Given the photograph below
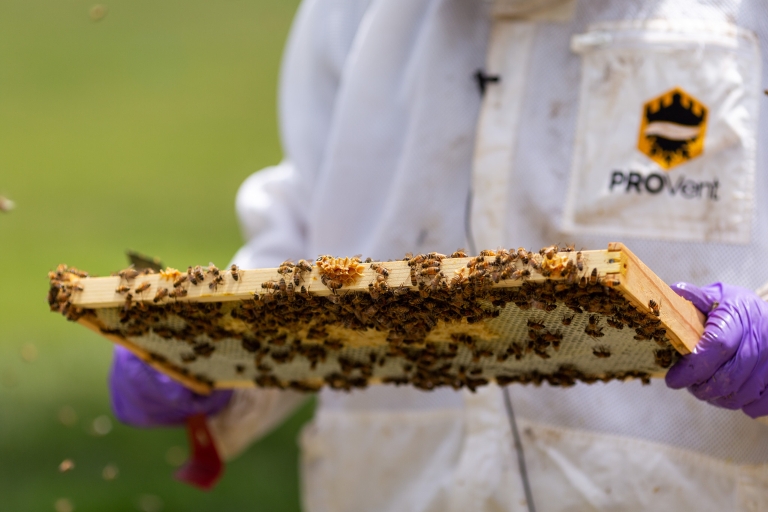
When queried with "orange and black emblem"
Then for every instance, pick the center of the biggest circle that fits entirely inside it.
(672, 129)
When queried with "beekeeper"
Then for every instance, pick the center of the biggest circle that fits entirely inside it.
(428, 125)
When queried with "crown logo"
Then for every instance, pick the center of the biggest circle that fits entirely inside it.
(672, 129)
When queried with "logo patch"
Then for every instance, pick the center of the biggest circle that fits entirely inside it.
(672, 129)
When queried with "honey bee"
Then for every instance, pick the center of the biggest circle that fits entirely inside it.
(128, 302)
(235, 271)
(286, 267)
(601, 351)
(304, 266)
(123, 289)
(549, 252)
(160, 295)
(579, 262)
(178, 293)
(142, 287)
(615, 323)
(568, 319)
(380, 269)
(570, 248)
(431, 271)
(552, 337)
(593, 277)
(373, 291)
(332, 284)
(663, 358)
(198, 272)
(128, 274)
(180, 280)
(535, 325)
(522, 273)
(191, 275)
(593, 329)
(212, 269)
(654, 307)
(215, 282)
(459, 253)
(270, 285)
(290, 291)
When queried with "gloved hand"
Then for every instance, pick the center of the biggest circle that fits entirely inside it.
(729, 367)
(143, 397)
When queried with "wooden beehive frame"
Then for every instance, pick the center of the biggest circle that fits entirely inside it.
(617, 267)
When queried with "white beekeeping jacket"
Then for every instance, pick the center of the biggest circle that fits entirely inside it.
(626, 120)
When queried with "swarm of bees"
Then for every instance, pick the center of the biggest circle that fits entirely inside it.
(457, 327)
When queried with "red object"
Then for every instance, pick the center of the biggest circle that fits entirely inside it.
(204, 467)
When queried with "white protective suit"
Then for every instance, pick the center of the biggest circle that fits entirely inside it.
(385, 134)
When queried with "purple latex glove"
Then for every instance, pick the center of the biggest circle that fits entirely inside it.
(729, 367)
(143, 397)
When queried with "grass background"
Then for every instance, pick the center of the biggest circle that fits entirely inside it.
(131, 132)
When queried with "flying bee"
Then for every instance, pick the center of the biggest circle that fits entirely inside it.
(235, 271)
(380, 269)
(123, 289)
(142, 287)
(161, 294)
(568, 319)
(601, 351)
(654, 307)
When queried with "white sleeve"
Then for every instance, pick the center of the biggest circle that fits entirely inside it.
(250, 414)
(272, 204)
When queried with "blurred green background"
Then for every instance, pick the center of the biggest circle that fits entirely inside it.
(133, 131)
